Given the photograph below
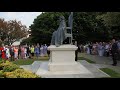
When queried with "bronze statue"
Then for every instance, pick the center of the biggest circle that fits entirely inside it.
(61, 33)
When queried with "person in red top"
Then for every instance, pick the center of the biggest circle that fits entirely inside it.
(3, 52)
(15, 52)
(0, 52)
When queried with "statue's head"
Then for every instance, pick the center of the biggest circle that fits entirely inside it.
(61, 18)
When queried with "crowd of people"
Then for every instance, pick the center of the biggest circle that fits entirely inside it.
(22, 51)
(107, 49)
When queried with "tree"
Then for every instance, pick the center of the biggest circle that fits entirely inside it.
(86, 27)
(11, 31)
(3, 27)
(43, 27)
(112, 22)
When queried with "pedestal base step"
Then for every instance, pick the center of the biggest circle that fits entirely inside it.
(74, 70)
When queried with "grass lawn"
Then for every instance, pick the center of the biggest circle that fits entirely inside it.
(88, 60)
(30, 61)
(110, 72)
(23, 62)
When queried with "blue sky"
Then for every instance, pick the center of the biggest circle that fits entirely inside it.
(26, 18)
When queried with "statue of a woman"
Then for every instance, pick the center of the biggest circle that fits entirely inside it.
(59, 36)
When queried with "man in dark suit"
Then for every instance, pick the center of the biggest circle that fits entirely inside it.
(76, 51)
(114, 52)
(11, 53)
(119, 50)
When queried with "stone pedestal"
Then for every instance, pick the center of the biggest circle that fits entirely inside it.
(62, 64)
(62, 58)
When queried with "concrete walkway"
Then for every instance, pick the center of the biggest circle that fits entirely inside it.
(101, 62)
(88, 71)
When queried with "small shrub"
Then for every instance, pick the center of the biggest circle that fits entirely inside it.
(8, 66)
(1, 73)
(10, 70)
(20, 73)
(1, 66)
(1, 61)
(9, 75)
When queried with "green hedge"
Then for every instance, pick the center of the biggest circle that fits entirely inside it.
(11, 70)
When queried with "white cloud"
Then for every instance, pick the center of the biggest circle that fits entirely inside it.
(26, 18)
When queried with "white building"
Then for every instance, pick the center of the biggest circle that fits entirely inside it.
(16, 43)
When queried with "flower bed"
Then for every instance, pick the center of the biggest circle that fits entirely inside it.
(10, 70)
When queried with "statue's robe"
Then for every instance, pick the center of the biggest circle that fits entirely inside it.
(59, 36)
(53, 38)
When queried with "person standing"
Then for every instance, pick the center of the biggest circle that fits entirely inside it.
(100, 49)
(37, 51)
(94, 49)
(7, 52)
(19, 52)
(3, 52)
(48, 51)
(76, 52)
(16, 52)
(0, 53)
(32, 51)
(103, 49)
(119, 49)
(41, 51)
(45, 50)
(28, 51)
(88, 49)
(22, 52)
(90, 46)
(107, 47)
(25, 52)
(11, 53)
(114, 52)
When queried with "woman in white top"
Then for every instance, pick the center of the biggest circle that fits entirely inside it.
(88, 49)
(107, 47)
(41, 51)
(25, 52)
(100, 51)
(45, 50)
(7, 52)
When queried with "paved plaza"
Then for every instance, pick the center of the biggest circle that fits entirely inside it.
(101, 61)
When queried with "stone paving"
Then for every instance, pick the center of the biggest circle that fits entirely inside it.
(101, 61)
(33, 67)
(95, 70)
(43, 67)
